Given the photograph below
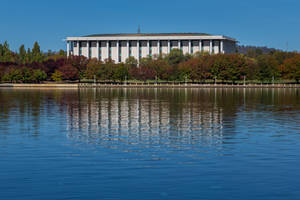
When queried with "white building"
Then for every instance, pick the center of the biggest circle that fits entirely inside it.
(119, 47)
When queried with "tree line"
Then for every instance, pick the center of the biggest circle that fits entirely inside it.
(34, 66)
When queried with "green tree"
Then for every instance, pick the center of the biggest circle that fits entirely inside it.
(22, 55)
(29, 56)
(268, 67)
(57, 76)
(62, 53)
(175, 57)
(39, 75)
(120, 72)
(27, 75)
(13, 75)
(37, 55)
(106, 71)
(7, 55)
(1, 52)
(131, 62)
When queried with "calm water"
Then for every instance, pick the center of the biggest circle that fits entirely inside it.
(150, 144)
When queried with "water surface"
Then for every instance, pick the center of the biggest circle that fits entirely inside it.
(150, 144)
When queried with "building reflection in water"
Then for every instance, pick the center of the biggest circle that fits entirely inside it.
(146, 116)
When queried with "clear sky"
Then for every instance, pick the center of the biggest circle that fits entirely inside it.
(272, 23)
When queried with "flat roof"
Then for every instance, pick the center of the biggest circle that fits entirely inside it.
(151, 36)
(147, 34)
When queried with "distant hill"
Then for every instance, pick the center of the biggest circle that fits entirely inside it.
(262, 50)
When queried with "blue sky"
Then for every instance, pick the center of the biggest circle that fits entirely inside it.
(272, 23)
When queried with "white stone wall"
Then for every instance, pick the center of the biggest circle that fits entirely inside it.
(114, 51)
(216, 46)
(174, 44)
(164, 46)
(195, 46)
(185, 46)
(94, 49)
(155, 49)
(104, 51)
(143, 45)
(123, 50)
(75, 49)
(206, 45)
(134, 49)
(84, 51)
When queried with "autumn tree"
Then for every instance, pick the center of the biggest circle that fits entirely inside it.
(290, 69)
(80, 63)
(69, 72)
(143, 73)
(93, 68)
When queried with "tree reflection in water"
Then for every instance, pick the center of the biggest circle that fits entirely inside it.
(148, 117)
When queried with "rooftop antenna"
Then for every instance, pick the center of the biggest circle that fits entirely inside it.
(139, 29)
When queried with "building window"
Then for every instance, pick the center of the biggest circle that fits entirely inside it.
(140, 51)
(100, 53)
(201, 45)
(109, 53)
(160, 47)
(130, 51)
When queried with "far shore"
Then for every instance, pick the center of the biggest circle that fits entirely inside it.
(143, 85)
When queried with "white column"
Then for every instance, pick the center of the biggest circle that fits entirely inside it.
(107, 48)
(87, 49)
(169, 47)
(190, 47)
(78, 48)
(118, 51)
(148, 47)
(222, 46)
(97, 56)
(200, 45)
(158, 47)
(128, 54)
(210, 46)
(68, 48)
(138, 50)
(179, 44)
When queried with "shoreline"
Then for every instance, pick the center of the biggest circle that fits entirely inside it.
(92, 85)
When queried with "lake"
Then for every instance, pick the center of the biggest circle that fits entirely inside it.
(149, 143)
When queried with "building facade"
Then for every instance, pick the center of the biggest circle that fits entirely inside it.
(119, 47)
